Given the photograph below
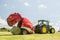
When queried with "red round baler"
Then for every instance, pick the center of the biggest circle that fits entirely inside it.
(24, 26)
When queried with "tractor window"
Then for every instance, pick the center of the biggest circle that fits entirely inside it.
(40, 22)
(45, 23)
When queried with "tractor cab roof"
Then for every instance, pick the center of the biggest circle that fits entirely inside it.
(43, 20)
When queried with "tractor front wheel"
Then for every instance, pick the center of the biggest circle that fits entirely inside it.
(52, 30)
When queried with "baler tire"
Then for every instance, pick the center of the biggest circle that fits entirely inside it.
(24, 32)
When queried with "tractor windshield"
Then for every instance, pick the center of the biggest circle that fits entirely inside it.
(43, 22)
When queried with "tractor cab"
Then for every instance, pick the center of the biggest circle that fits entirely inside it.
(44, 27)
(43, 22)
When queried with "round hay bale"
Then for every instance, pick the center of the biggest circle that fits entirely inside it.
(15, 30)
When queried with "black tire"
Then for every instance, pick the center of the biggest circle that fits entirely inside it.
(24, 32)
(43, 29)
(52, 30)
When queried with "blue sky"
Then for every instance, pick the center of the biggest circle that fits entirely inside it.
(32, 9)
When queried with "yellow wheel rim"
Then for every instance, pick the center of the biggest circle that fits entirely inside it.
(52, 30)
(44, 29)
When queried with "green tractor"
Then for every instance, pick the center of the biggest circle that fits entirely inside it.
(43, 27)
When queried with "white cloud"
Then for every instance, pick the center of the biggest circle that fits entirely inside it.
(27, 4)
(3, 23)
(5, 4)
(42, 6)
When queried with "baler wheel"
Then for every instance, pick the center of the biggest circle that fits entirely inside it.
(24, 31)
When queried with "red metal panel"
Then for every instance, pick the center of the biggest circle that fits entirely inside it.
(13, 19)
(27, 23)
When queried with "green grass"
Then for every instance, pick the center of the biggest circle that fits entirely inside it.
(9, 36)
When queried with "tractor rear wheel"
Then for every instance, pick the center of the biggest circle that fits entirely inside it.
(52, 30)
(43, 30)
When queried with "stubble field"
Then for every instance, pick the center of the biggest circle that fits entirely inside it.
(9, 36)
